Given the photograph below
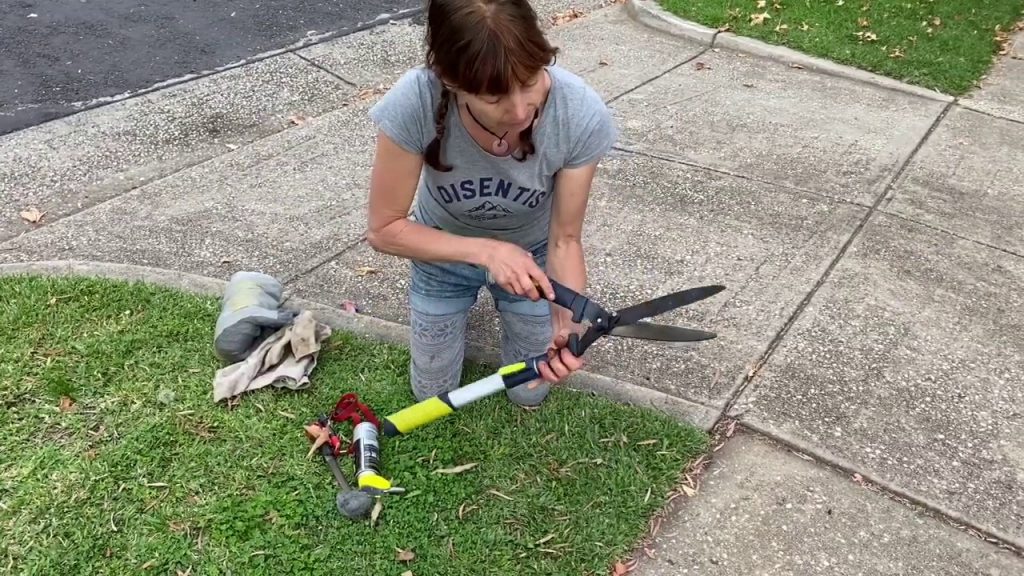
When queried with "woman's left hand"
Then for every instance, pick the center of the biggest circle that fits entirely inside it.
(561, 362)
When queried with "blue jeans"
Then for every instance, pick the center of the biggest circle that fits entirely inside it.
(440, 298)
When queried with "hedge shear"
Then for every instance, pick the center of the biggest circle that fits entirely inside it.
(627, 322)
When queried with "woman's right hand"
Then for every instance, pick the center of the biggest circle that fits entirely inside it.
(515, 270)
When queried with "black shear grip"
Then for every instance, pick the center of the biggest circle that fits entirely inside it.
(580, 306)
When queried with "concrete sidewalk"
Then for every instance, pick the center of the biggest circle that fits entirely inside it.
(870, 239)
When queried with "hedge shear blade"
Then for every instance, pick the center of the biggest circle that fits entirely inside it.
(625, 323)
(628, 321)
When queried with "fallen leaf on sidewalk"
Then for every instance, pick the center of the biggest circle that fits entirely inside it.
(404, 555)
(32, 215)
(298, 119)
(364, 270)
(619, 569)
(456, 469)
(797, 66)
(1002, 40)
(701, 66)
(368, 93)
(567, 16)
(689, 491)
(349, 306)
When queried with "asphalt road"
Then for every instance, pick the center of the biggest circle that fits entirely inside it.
(58, 55)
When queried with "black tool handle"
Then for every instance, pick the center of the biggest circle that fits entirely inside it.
(332, 463)
(571, 300)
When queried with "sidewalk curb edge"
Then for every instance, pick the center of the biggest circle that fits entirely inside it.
(651, 14)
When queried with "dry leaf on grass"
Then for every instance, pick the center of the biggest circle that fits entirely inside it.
(376, 512)
(897, 53)
(544, 539)
(407, 573)
(463, 509)
(689, 491)
(404, 555)
(619, 569)
(758, 19)
(863, 22)
(66, 404)
(456, 469)
(762, 3)
(32, 215)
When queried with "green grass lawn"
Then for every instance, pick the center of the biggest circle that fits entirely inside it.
(114, 459)
(943, 45)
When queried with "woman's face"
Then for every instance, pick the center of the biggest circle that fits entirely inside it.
(511, 112)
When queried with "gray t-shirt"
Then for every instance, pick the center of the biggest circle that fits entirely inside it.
(487, 195)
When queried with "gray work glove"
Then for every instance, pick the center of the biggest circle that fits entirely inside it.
(249, 314)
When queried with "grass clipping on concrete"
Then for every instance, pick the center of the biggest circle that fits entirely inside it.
(114, 459)
(942, 45)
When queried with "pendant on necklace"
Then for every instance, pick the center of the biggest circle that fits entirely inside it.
(499, 146)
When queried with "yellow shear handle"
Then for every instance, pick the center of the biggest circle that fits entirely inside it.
(414, 416)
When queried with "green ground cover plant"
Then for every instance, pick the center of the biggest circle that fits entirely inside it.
(114, 459)
(942, 45)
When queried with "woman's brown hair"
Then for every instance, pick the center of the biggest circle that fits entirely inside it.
(482, 47)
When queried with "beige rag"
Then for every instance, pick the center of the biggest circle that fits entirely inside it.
(284, 359)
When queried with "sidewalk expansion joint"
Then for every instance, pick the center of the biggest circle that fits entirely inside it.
(659, 75)
(969, 105)
(319, 263)
(752, 374)
(327, 71)
(869, 482)
(957, 235)
(739, 176)
(886, 199)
